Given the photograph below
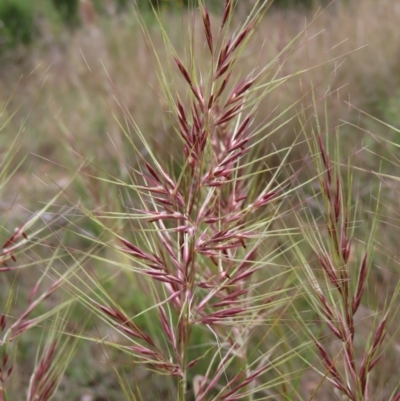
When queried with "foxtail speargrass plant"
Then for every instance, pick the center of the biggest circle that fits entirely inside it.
(202, 254)
(336, 271)
(220, 260)
(201, 247)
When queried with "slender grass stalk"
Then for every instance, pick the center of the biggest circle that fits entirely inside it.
(337, 295)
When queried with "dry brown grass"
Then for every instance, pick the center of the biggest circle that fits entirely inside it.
(81, 100)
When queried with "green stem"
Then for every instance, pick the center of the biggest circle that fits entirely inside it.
(182, 386)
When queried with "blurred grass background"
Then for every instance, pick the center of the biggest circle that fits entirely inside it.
(67, 66)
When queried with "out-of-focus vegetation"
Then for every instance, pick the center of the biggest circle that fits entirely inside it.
(16, 24)
(368, 75)
(19, 18)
